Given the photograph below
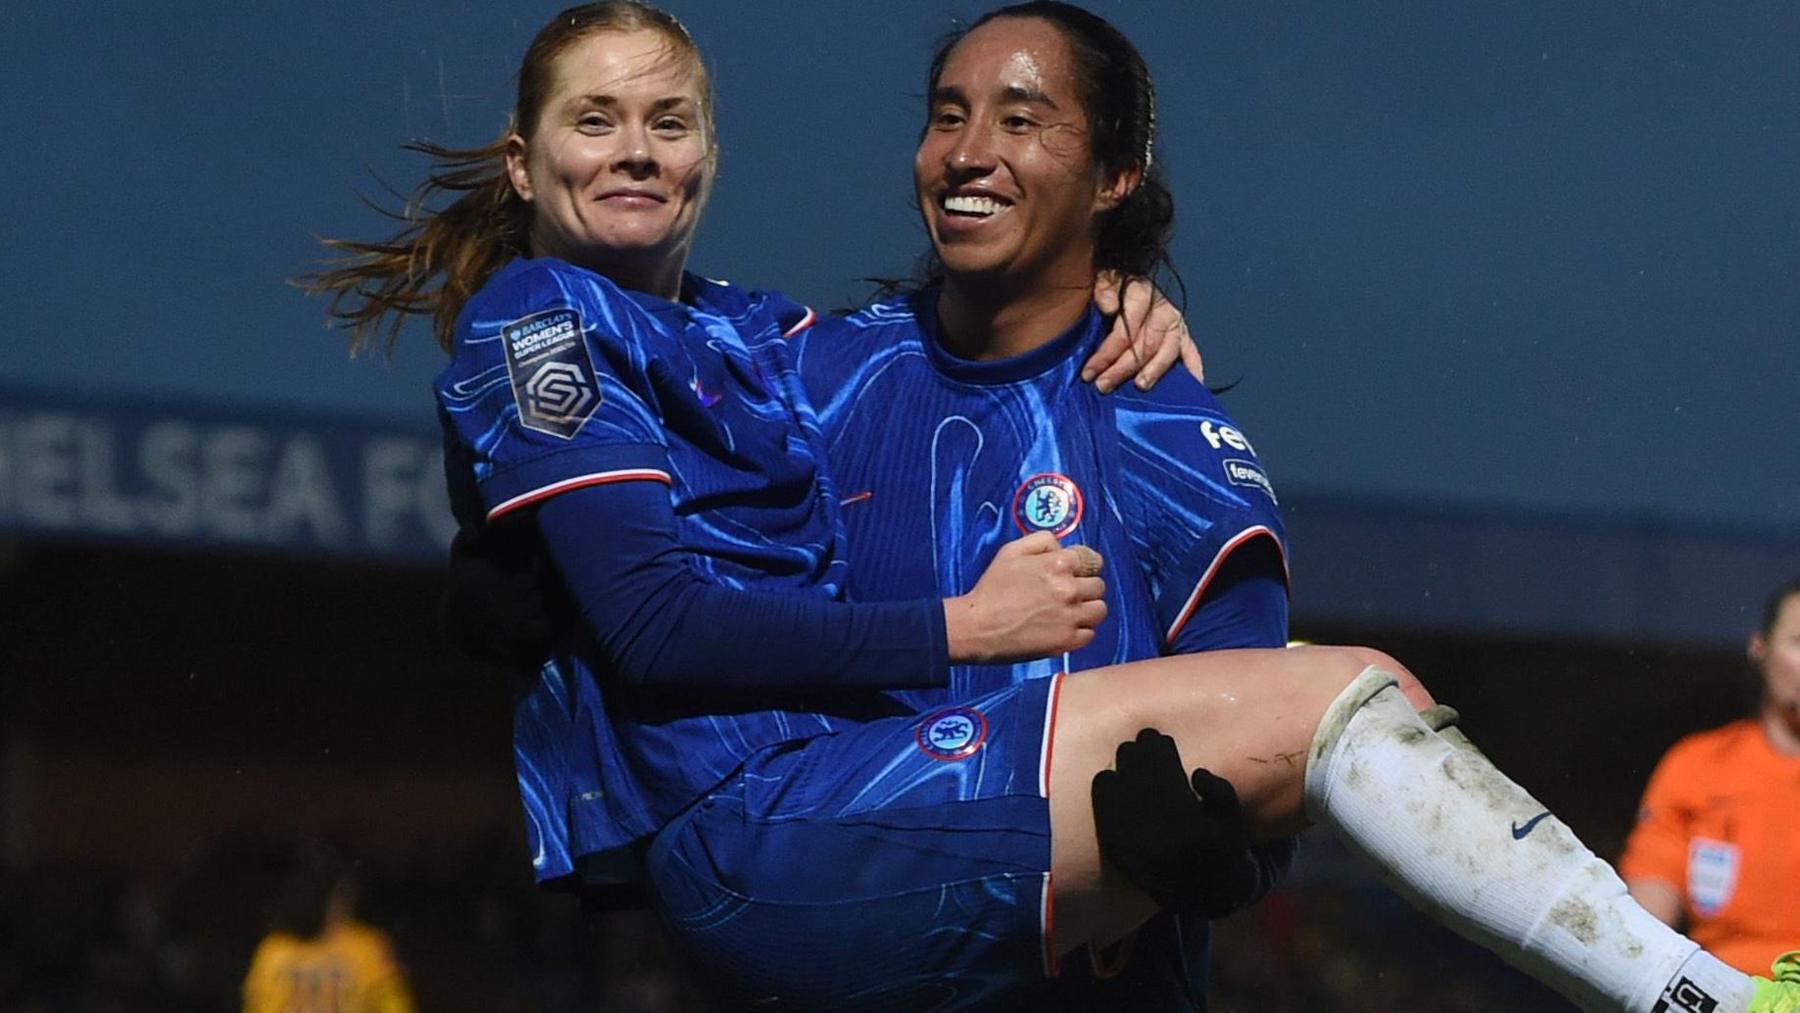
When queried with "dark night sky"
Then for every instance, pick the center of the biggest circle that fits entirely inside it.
(1531, 254)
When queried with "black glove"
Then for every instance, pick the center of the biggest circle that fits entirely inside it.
(498, 600)
(1185, 843)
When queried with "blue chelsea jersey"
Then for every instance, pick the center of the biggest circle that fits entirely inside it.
(941, 460)
(560, 379)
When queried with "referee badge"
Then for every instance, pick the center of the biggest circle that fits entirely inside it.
(1712, 874)
(1047, 502)
(953, 734)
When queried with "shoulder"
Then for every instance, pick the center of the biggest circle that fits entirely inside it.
(531, 308)
(1694, 764)
(853, 337)
(1180, 431)
(1712, 747)
(1177, 394)
(274, 945)
(750, 309)
(366, 942)
(528, 286)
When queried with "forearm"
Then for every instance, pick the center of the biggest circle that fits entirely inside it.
(659, 621)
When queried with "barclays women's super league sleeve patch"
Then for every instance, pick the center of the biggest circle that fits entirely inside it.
(553, 379)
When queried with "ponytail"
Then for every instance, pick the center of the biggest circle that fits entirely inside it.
(438, 259)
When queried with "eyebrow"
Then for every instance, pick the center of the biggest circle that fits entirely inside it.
(1011, 93)
(611, 100)
(1020, 93)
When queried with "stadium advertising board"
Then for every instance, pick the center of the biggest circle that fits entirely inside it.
(188, 476)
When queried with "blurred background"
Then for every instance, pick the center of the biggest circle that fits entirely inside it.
(1509, 295)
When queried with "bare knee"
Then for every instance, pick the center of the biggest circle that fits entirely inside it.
(1356, 659)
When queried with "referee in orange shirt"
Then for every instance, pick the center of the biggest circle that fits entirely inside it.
(1716, 849)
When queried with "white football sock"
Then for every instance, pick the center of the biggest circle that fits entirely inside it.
(1459, 839)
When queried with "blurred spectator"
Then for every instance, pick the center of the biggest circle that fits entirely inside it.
(1717, 846)
(317, 957)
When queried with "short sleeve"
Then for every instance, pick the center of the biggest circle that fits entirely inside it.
(554, 385)
(1196, 492)
(1658, 845)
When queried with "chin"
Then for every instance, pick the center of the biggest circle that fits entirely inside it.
(635, 241)
(970, 263)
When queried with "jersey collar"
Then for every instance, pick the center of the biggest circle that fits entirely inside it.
(1077, 340)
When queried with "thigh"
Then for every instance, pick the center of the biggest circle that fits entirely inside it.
(1248, 716)
(903, 864)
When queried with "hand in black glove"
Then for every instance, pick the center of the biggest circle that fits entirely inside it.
(497, 602)
(1184, 842)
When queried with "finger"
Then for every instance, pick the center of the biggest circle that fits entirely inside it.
(1090, 614)
(1112, 794)
(1164, 351)
(1106, 292)
(1105, 787)
(1034, 544)
(1138, 298)
(1158, 747)
(1088, 563)
(1116, 343)
(1125, 755)
(1089, 589)
(1130, 360)
(1213, 789)
(1190, 356)
(1156, 760)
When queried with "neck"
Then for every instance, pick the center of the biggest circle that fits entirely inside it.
(1778, 725)
(663, 281)
(984, 319)
(657, 274)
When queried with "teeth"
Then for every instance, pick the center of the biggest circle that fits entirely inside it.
(972, 205)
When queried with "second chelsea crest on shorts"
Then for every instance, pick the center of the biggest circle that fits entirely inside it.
(1048, 502)
(952, 734)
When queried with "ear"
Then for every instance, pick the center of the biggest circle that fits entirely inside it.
(1117, 186)
(1758, 648)
(516, 169)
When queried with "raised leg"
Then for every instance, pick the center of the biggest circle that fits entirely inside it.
(1248, 716)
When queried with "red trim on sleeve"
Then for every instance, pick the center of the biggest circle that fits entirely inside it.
(806, 321)
(579, 481)
(1193, 601)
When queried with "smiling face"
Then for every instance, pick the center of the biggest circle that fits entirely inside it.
(1004, 174)
(619, 161)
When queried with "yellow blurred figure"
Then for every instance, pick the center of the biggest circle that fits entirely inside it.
(348, 968)
(317, 957)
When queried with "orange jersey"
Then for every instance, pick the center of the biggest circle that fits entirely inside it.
(1720, 823)
(348, 969)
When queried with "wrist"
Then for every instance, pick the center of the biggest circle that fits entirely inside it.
(964, 640)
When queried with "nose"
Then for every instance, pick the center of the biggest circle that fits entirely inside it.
(634, 157)
(972, 155)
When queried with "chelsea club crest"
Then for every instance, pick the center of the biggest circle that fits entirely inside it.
(952, 734)
(1047, 502)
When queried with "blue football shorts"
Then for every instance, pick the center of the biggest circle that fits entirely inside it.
(903, 864)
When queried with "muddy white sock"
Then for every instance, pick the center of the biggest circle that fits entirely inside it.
(1459, 839)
